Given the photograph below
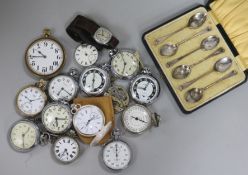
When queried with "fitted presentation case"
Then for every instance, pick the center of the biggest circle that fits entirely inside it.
(229, 21)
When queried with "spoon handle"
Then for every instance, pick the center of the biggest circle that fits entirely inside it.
(189, 83)
(230, 74)
(203, 31)
(216, 52)
(165, 37)
(171, 63)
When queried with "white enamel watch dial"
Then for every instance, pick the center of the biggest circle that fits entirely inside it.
(124, 64)
(30, 101)
(102, 35)
(44, 56)
(94, 81)
(86, 55)
(24, 135)
(56, 118)
(144, 89)
(62, 87)
(88, 120)
(66, 149)
(117, 155)
(136, 119)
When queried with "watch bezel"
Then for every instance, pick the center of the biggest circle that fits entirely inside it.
(104, 42)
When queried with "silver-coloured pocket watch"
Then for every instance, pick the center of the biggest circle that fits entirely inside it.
(86, 55)
(144, 87)
(138, 118)
(63, 87)
(125, 63)
(31, 99)
(24, 135)
(94, 81)
(116, 154)
(57, 117)
(66, 149)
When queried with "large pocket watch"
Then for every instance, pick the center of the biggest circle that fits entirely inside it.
(31, 99)
(45, 56)
(116, 154)
(63, 87)
(94, 81)
(144, 87)
(125, 63)
(138, 118)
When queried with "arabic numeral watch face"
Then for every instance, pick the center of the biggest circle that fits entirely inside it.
(102, 35)
(44, 57)
(30, 101)
(117, 155)
(88, 120)
(144, 89)
(86, 55)
(94, 81)
(56, 118)
(136, 119)
(66, 149)
(62, 87)
(125, 64)
(24, 135)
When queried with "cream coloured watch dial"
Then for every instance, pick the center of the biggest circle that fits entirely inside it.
(102, 35)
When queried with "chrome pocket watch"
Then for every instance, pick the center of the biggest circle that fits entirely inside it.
(45, 56)
(88, 120)
(31, 99)
(144, 87)
(94, 81)
(63, 87)
(24, 135)
(124, 63)
(57, 117)
(138, 118)
(116, 154)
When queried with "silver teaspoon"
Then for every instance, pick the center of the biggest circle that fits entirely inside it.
(170, 49)
(194, 95)
(195, 21)
(208, 43)
(183, 71)
(221, 65)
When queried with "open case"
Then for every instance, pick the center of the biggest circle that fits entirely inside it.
(228, 20)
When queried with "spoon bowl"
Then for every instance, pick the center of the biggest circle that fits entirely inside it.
(209, 43)
(181, 72)
(194, 95)
(223, 64)
(168, 49)
(197, 20)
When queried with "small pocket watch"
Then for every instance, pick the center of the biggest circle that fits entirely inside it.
(86, 55)
(24, 135)
(94, 81)
(57, 117)
(116, 154)
(137, 119)
(144, 87)
(124, 63)
(88, 120)
(66, 149)
(63, 87)
(45, 56)
(31, 100)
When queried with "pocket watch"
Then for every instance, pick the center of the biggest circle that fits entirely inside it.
(57, 117)
(94, 81)
(119, 96)
(24, 135)
(116, 154)
(124, 63)
(45, 56)
(66, 149)
(31, 99)
(63, 87)
(137, 119)
(88, 120)
(86, 55)
(144, 87)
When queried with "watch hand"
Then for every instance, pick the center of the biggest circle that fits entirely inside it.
(27, 98)
(35, 99)
(61, 118)
(67, 92)
(146, 86)
(44, 56)
(136, 118)
(63, 153)
(60, 91)
(116, 151)
(26, 132)
(37, 56)
(23, 145)
(139, 87)
(93, 80)
(56, 121)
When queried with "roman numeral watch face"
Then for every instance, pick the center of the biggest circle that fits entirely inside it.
(45, 56)
(66, 149)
